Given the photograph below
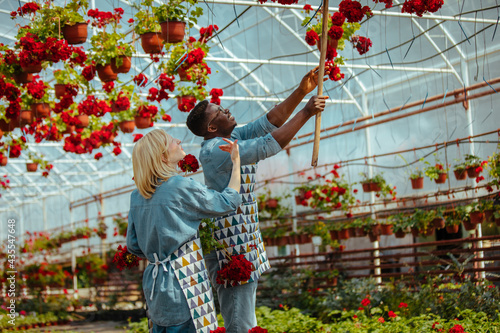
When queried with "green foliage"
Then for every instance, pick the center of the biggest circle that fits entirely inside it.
(178, 10)
(385, 188)
(138, 327)
(145, 21)
(208, 242)
(199, 92)
(266, 208)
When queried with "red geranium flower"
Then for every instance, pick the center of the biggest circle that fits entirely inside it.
(189, 163)
(311, 37)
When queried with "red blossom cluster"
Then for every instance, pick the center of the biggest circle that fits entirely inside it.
(140, 80)
(189, 163)
(108, 131)
(74, 143)
(457, 329)
(27, 8)
(4, 182)
(124, 259)
(335, 74)
(70, 91)
(93, 106)
(147, 111)
(108, 86)
(36, 88)
(238, 269)
(421, 7)
(33, 50)
(137, 137)
(101, 19)
(335, 32)
(11, 93)
(166, 83)
(362, 44)
(216, 93)
(312, 37)
(122, 102)
(353, 11)
(88, 72)
(186, 104)
(166, 117)
(59, 50)
(307, 8)
(207, 32)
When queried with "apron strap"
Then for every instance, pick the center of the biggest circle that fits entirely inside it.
(155, 270)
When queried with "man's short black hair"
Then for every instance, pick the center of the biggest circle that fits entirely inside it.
(196, 120)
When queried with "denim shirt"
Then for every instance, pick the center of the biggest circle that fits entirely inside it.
(161, 225)
(255, 144)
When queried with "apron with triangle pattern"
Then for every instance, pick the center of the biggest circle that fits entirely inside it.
(190, 270)
(239, 231)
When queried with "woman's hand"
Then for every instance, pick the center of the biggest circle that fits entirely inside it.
(231, 148)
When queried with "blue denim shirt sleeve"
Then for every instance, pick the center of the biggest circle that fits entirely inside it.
(161, 225)
(217, 164)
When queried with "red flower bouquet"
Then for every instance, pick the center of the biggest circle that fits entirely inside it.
(125, 259)
(238, 269)
(189, 163)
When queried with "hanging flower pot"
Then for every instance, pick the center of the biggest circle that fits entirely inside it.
(332, 43)
(427, 232)
(83, 121)
(497, 222)
(476, 217)
(343, 234)
(173, 31)
(4, 160)
(124, 67)
(185, 99)
(75, 34)
(32, 68)
(9, 125)
(366, 187)
(69, 129)
(360, 232)
(417, 183)
(352, 232)
(127, 126)
(468, 225)
(334, 234)
(376, 229)
(374, 187)
(441, 178)
(386, 229)
(488, 215)
(40, 110)
(471, 171)
(105, 73)
(452, 229)
(31, 167)
(438, 223)
(152, 42)
(142, 122)
(272, 203)
(59, 90)
(110, 139)
(25, 117)
(373, 237)
(460, 174)
(400, 234)
(22, 77)
(414, 232)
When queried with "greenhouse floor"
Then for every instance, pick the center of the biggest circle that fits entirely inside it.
(87, 327)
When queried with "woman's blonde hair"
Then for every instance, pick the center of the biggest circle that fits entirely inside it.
(149, 168)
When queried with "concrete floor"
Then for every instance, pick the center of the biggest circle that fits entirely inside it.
(87, 327)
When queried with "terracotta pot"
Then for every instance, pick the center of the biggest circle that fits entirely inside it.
(282, 241)
(84, 121)
(476, 217)
(1, 133)
(127, 126)
(184, 99)
(142, 122)
(488, 215)
(31, 167)
(468, 225)
(110, 139)
(25, 117)
(59, 90)
(22, 77)
(438, 223)
(373, 237)
(305, 239)
(32, 68)
(343, 234)
(8, 126)
(417, 183)
(497, 222)
(152, 42)
(272, 203)
(428, 232)
(360, 232)
(441, 178)
(69, 129)
(400, 234)
(471, 171)
(333, 43)
(374, 187)
(173, 31)
(334, 234)
(182, 74)
(352, 232)
(116, 108)
(125, 66)
(386, 229)
(40, 110)
(452, 229)
(105, 73)
(4, 160)
(376, 229)
(414, 231)
(366, 187)
(75, 34)
(460, 174)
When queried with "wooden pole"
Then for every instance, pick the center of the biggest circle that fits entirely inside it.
(321, 73)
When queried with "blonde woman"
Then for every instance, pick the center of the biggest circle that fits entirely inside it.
(165, 213)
